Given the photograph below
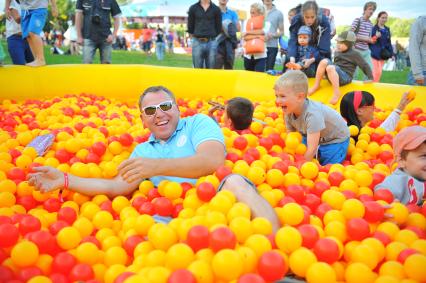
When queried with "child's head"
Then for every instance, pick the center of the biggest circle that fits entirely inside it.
(290, 91)
(304, 35)
(409, 146)
(293, 11)
(357, 107)
(345, 40)
(239, 113)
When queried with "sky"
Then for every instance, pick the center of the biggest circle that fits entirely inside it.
(344, 11)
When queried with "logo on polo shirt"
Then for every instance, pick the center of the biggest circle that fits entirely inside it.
(181, 141)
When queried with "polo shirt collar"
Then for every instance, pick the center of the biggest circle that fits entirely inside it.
(181, 123)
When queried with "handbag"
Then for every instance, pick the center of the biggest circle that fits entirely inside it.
(256, 43)
(385, 54)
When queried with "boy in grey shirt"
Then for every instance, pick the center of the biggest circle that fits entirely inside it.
(324, 131)
(346, 59)
(33, 18)
(408, 182)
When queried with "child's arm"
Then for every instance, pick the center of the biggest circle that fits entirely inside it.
(54, 8)
(393, 119)
(312, 142)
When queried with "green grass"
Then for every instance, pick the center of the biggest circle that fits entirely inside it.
(172, 60)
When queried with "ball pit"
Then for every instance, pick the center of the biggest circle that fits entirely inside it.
(334, 227)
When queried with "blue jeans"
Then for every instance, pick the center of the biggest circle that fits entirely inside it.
(159, 50)
(89, 50)
(204, 53)
(366, 55)
(412, 81)
(257, 65)
(19, 50)
(271, 56)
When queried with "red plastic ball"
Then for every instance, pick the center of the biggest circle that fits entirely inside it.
(198, 237)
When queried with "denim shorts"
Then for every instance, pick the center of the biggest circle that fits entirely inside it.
(33, 21)
(344, 78)
(331, 153)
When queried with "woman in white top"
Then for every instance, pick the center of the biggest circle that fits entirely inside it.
(256, 61)
(357, 107)
(18, 48)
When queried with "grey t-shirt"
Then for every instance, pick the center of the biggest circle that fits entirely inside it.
(317, 117)
(275, 18)
(33, 4)
(405, 188)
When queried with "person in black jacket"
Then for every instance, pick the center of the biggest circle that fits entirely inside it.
(382, 49)
(320, 26)
(204, 24)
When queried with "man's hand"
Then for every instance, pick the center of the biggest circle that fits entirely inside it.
(46, 179)
(80, 40)
(137, 168)
(110, 38)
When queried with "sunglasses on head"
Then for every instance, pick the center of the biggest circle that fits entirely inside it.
(152, 109)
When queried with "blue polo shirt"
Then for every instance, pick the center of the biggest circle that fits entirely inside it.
(190, 133)
(230, 15)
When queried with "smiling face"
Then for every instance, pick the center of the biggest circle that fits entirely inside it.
(289, 101)
(383, 19)
(414, 162)
(163, 123)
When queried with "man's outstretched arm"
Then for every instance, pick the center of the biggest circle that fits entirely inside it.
(48, 179)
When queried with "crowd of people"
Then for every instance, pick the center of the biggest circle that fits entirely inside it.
(214, 33)
(366, 46)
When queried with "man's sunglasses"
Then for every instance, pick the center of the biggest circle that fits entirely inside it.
(152, 109)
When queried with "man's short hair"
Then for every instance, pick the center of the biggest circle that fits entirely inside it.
(294, 79)
(240, 111)
(370, 3)
(154, 89)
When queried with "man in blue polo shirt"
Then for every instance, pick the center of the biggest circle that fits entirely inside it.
(180, 150)
(228, 39)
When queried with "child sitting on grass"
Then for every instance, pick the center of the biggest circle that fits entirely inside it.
(238, 113)
(324, 131)
(346, 59)
(408, 182)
